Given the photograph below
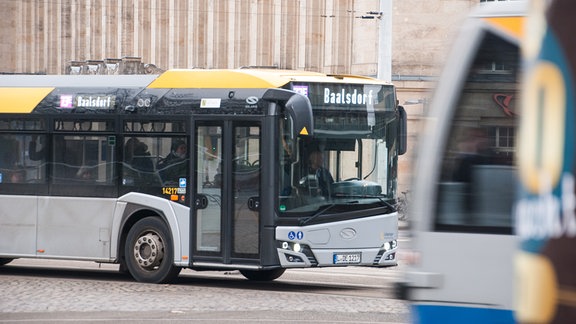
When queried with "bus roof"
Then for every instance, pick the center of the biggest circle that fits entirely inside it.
(186, 78)
(309, 76)
(92, 81)
(26, 91)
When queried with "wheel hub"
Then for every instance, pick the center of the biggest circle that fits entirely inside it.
(149, 251)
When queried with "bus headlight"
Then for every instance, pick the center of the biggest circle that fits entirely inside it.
(389, 245)
(386, 246)
(296, 247)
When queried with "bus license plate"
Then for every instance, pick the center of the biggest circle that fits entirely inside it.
(347, 258)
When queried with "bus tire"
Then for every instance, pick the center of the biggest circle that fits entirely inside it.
(263, 275)
(148, 252)
(4, 261)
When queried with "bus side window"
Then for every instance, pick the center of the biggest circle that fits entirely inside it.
(96, 157)
(15, 165)
(174, 165)
(138, 164)
(34, 164)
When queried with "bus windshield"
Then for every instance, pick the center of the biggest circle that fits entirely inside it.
(348, 161)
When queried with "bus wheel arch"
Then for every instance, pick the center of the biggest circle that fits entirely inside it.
(148, 250)
(4, 261)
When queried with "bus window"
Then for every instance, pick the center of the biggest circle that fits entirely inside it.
(138, 162)
(155, 154)
(474, 192)
(83, 159)
(16, 166)
(286, 157)
(246, 184)
(209, 170)
(174, 165)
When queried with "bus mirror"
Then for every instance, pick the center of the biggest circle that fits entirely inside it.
(402, 130)
(299, 108)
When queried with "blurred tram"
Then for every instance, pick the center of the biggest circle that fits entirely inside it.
(494, 219)
(462, 266)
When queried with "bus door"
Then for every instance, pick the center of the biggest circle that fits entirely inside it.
(226, 218)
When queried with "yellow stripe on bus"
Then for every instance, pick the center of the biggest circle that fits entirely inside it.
(512, 25)
(21, 100)
(215, 79)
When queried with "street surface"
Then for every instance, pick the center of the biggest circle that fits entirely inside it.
(55, 291)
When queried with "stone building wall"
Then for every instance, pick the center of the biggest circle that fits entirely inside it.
(41, 36)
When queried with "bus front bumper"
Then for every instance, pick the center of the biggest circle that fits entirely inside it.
(304, 257)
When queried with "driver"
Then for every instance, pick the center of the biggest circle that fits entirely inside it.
(325, 180)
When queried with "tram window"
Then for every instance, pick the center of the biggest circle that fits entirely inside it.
(476, 188)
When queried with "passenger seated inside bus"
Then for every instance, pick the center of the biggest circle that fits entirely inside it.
(322, 176)
(174, 165)
(139, 168)
(137, 155)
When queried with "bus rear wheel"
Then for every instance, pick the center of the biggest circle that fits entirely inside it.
(263, 275)
(148, 252)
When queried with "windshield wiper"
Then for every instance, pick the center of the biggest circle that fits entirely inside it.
(384, 202)
(303, 221)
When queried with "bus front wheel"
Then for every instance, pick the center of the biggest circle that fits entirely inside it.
(148, 252)
(263, 275)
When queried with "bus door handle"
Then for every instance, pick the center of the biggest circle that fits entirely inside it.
(254, 203)
(201, 201)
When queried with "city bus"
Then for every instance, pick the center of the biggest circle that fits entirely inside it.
(461, 264)
(255, 170)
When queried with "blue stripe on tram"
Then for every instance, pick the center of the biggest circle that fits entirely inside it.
(426, 314)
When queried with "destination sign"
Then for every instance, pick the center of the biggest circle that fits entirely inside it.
(88, 101)
(354, 96)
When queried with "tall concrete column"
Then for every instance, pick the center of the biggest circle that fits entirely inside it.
(385, 41)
